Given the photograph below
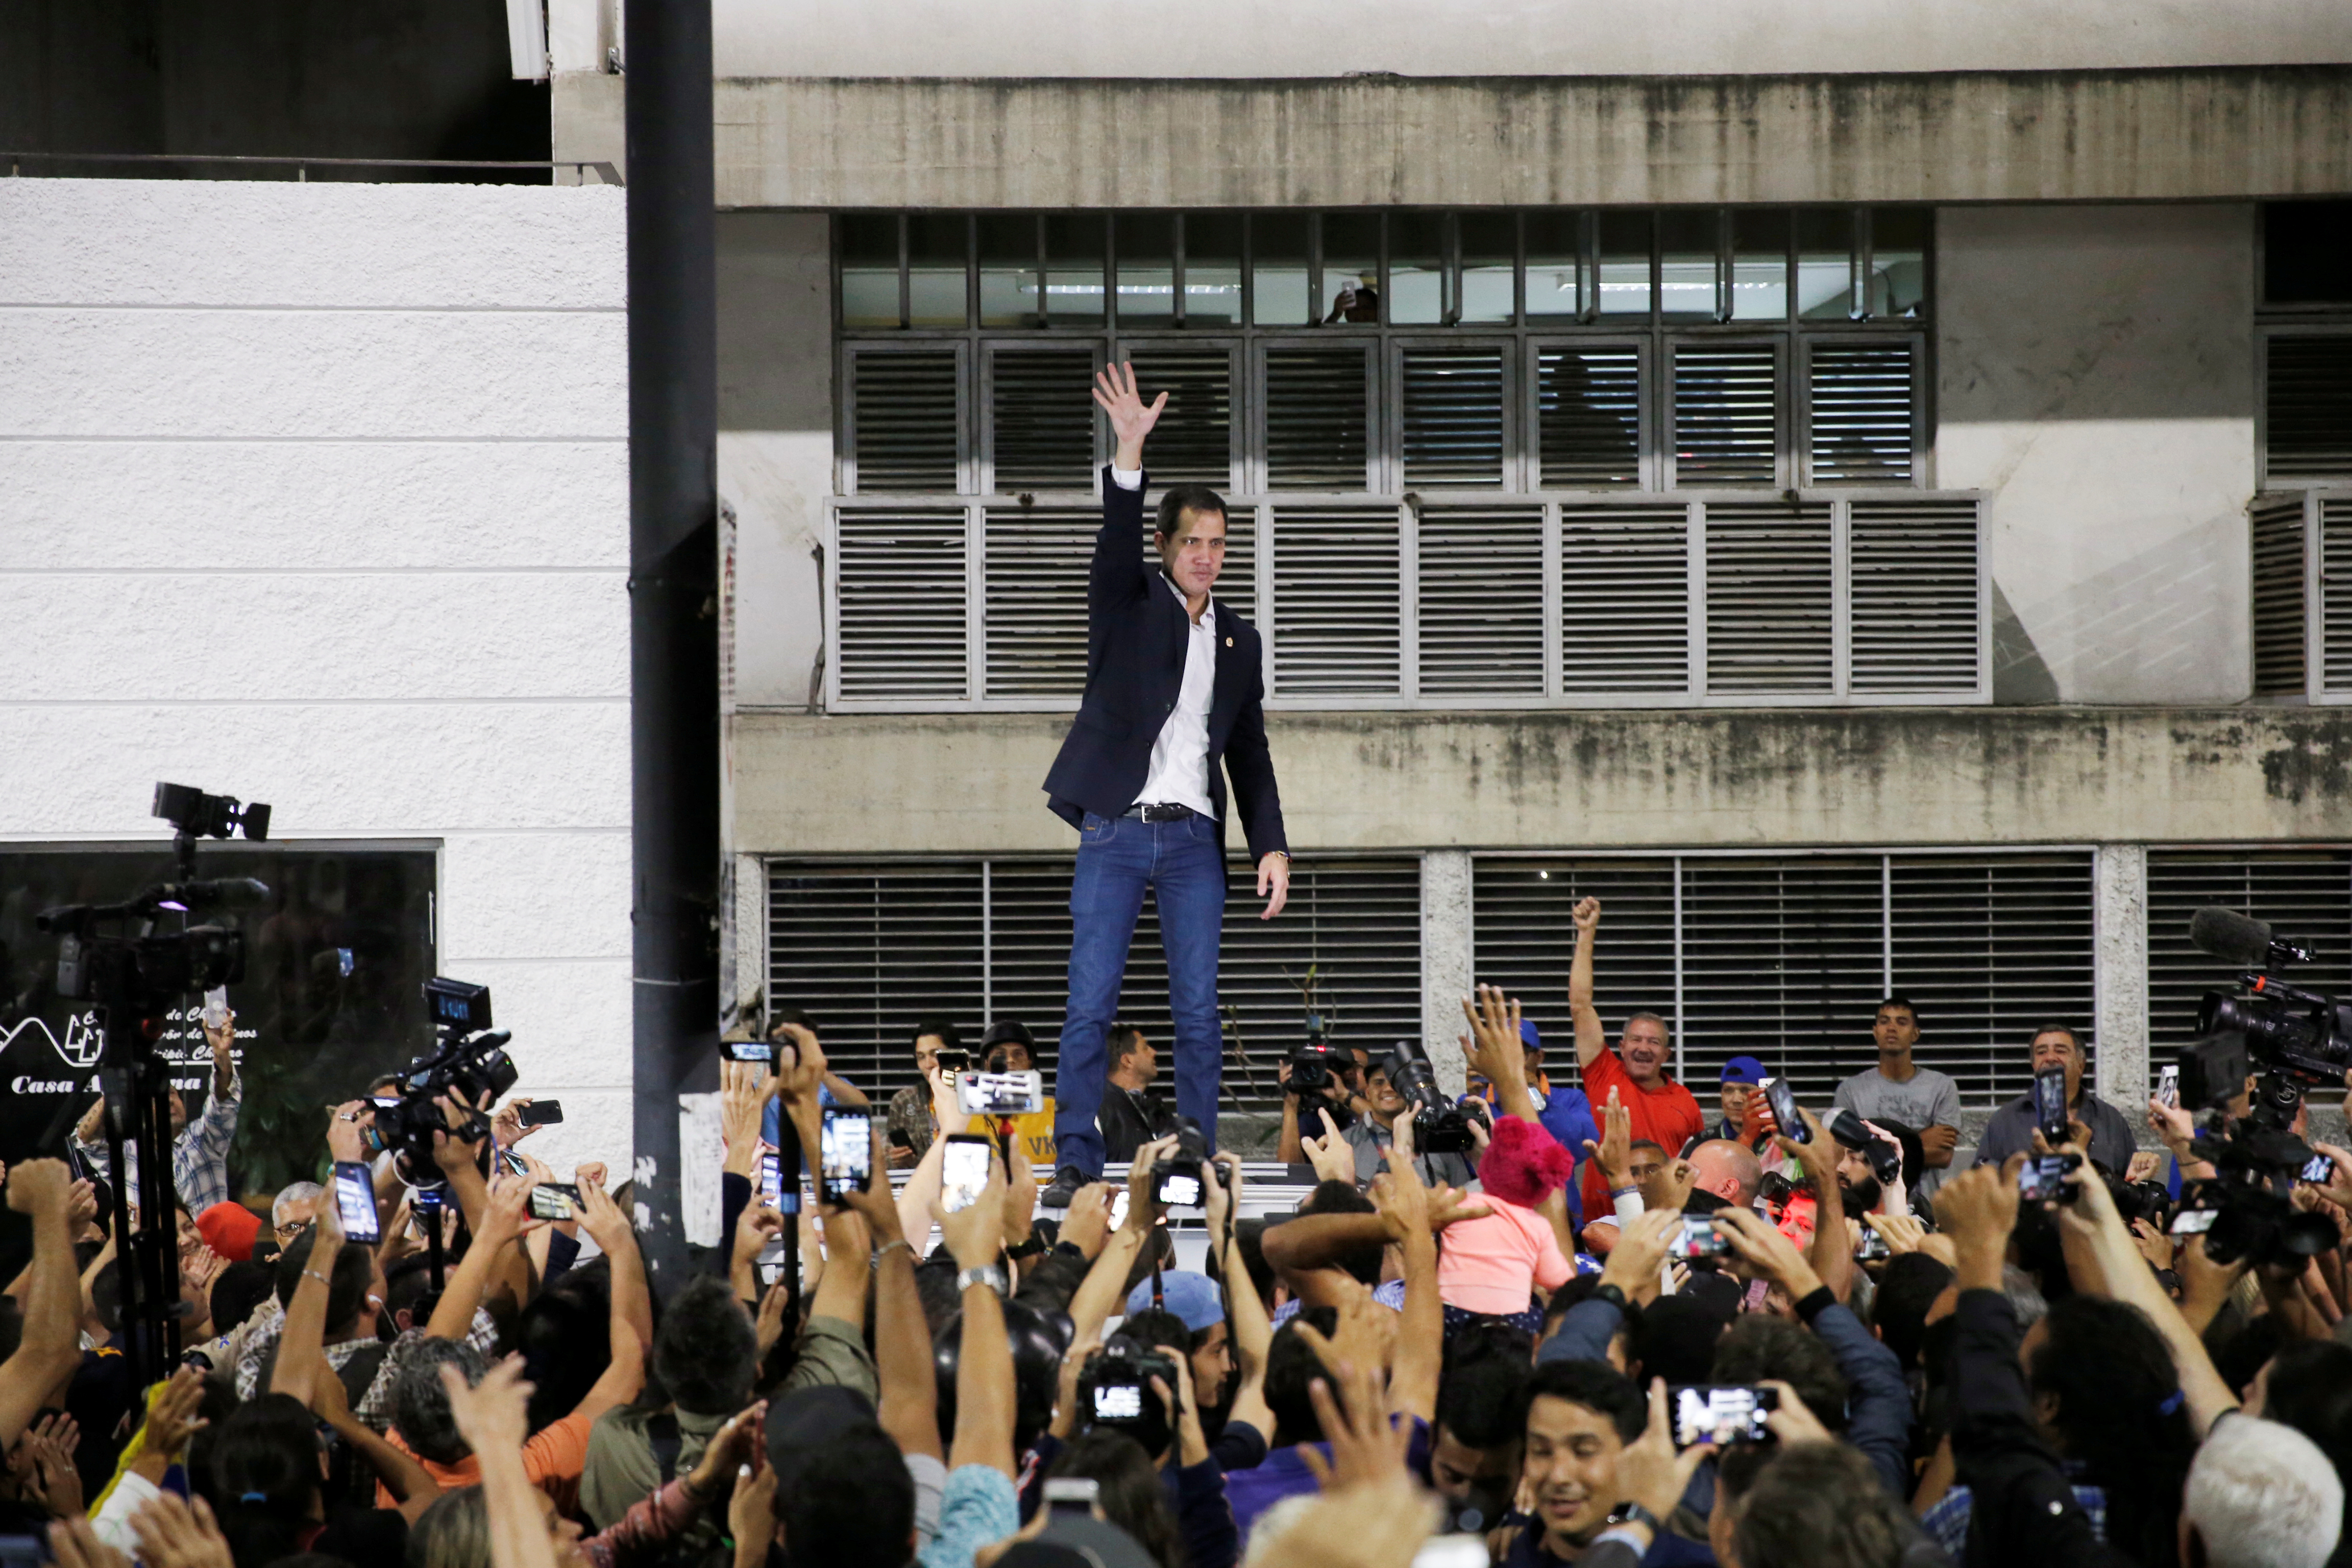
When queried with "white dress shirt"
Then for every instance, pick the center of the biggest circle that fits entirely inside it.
(1180, 757)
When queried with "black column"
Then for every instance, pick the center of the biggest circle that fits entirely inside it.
(673, 588)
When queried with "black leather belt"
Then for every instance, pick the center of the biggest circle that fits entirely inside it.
(1171, 812)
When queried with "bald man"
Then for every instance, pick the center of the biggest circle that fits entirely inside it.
(1729, 1170)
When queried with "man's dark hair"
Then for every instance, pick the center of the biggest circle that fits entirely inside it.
(406, 1286)
(1759, 1346)
(263, 1473)
(2066, 1029)
(1645, 1143)
(1291, 1364)
(1580, 1288)
(347, 1288)
(1363, 1264)
(1896, 999)
(1122, 1040)
(420, 1406)
(935, 1287)
(793, 1015)
(851, 1504)
(943, 1029)
(1482, 1398)
(1820, 1505)
(1674, 1337)
(1131, 1493)
(2112, 1376)
(1906, 1290)
(1599, 1387)
(106, 1297)
(707, 1354)
(1158, 1326)
(1178, 500)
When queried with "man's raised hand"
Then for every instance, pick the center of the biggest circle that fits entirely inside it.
(1130, 419)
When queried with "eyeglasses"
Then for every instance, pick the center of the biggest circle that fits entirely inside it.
(288, 1232)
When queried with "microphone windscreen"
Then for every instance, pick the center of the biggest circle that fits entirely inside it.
(2225, 934)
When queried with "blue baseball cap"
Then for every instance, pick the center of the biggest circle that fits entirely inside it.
(1527, 1036)
(1744, 1069)
(1191, 1297)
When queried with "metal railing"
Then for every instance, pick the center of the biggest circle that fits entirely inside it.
(606, 172)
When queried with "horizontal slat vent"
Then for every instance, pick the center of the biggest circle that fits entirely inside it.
(2306, 894)
(1727, 414)
(1861, 413)
(1625, 598)
(1915, 595)
(1034, 600)
(1337, 587)
(1588, 416)
(1481, 601)
(2278, 576)
(1785, 957)
(1316, 425)
(2308, 407)
(867, 951)
(906, 413)
(1768, 597)
(2335, 591)
(1042, 419)
(900, 621)
(1194, 441)
(1453, 414)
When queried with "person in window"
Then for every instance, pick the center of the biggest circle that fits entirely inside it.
(912, 1127)
(1358, 301)
(2010, 1130)
(1131, 1114)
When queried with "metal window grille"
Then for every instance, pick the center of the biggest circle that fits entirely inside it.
(1480, 591)
(1917, 609)
(1727, 414)
(1319, 404)
(1193, 442)
(868, 950)
(1862, 408)
(1041, 419)
(1784, 957)
(1339, 591)
(1452, 422)
(901, 606)
(1624, 599)
(1035, 611)
(906, 419)
(2306, 893)
(1770, 594)
(2302, 595)
(1589, 433)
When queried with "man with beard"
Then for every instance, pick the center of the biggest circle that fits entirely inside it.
(1859, 1185)
(1662, 1110)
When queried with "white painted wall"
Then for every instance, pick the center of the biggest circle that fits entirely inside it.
(2095, 372)
(318, 494)
(1509, 38)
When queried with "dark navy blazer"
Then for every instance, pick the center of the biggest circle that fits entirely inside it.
(1137, 637)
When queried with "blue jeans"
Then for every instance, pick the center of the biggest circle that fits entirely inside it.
(1183, 864)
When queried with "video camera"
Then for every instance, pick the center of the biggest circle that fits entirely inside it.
(1114, 1391)
(470, 1060)
(1440, 1127)
(2293, 1037)
(1317, 1076)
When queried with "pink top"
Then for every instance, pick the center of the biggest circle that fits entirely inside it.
(1492, 1264)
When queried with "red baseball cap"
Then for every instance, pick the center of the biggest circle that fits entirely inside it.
(229, 1230)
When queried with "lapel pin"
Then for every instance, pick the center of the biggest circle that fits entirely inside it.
(1229, 642)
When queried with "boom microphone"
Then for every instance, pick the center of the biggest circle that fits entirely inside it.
(2240, 939)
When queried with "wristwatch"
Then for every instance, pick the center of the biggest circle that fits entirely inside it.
(1610, 1294)
(987, 1274)
(1634, 1514)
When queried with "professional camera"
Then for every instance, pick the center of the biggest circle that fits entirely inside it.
(1180, 1180)
(468, 1060)
(1114, 1391)
(2295, 1037)
(1317, 1076)
(1440, 1127)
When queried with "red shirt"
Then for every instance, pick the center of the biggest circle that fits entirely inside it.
(1667, 1115)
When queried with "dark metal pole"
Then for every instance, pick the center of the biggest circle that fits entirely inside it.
(673, 588)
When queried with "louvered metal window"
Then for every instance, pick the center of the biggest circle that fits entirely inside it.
(1613, 599)
(868, 950)
(2306, 406)
(1379, 398)
(1784, 957)
(2306, 894)
(2302, 595)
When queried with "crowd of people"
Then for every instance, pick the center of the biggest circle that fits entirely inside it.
(1612, 1331)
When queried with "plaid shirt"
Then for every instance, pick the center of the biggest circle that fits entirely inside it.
(375, 1407)
(199, 1159)
(1947, 1522)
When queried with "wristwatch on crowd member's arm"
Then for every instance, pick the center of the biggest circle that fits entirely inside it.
(988, 1273)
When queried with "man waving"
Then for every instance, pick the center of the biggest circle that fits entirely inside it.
(1173, 688)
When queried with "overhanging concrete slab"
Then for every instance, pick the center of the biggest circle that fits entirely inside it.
(1993, 136)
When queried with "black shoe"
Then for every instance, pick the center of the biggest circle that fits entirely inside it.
(1067, 1183)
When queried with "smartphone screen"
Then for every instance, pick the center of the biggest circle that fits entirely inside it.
(2194, 1222)
(1782, 1099)
(2167, 1087)
(1723, 1414)
(355, 1203)
(1118, 1209)
(771, 1179)
(1072, 1497)
(515, 1163)
(554, 1200)
(2319, 1172)
(1698, 1238)
(749, 1051)
(963, 1173)
(2050, 1103)
(845, 1161)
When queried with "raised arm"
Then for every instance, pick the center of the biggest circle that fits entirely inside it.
(1251, 1330)
(1404, 1203)
(502, 1222)
(1494, 1052)
(46, 1353)
(902, 1339)
(301, 1346)
(984, 1397)
(1105, 1287)
(492, 1416)
(1590, 1038)
(632, 1328)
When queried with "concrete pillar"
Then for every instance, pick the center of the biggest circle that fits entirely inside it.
(748, 941)
(1446, 960)
(2119, 1036)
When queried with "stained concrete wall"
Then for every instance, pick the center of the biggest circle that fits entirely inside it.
(1018, 38)
(2095, 374)
(318, 494)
